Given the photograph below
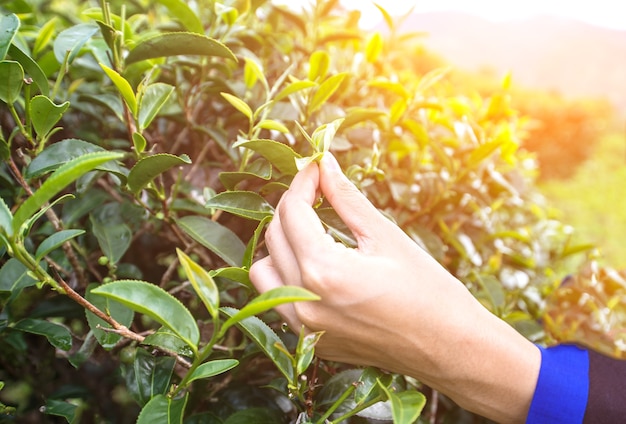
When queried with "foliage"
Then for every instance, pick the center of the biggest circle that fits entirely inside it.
(144, 147)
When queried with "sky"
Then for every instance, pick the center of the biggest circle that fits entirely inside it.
(606, 13)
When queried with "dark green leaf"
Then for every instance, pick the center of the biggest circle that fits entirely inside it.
(11, 81)
(155, 302)
(151, 375)
(253, 415)
(278, 154)
(202, 283)
(269, 300)
(58, 336)
(14, 276)
(72, 40)
(45, 114)
(148, 168)
(162, 409)
(31, 68)
(6, 219)
(150, 100)
(61, 152)
(267, 341)
(9, 24)
(248, 257)
(178, 43)
(113, 239)
(166, 339)
(117, 311)
(213, 368)
(215, 237)
(60, 179)
(54, 241)
(183, 13)
(246, 204)
(61, 408)
(367, 385)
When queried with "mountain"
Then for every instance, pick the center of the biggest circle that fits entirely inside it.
(545, 52)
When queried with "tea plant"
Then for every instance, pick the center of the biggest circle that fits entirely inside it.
(144, 147)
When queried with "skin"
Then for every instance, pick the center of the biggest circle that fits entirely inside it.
(388, 303)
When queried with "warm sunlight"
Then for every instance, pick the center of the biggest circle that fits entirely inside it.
(607, 13)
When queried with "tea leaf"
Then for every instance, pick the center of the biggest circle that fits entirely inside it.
(116, 310)
(213, 368)
(238, 104)
(72, 40)
(269, 300)
(150, 100)
(325, 91)
(9, 24)
(246, 204)
(215, 237)
(267, 341)
(60, 179)
(148, 168)
(54, 241)
(6, 219)
(11, 81)
(149, 376)
(113, 239)
(202, 283)
(183, 13)
(178, 43)
(270, 124)
(278, 154)
(156, 303)
(58, 336)
(252, 244)
(14, 276)
(294, 87)
(45, 114)
(374, 47)
(123, 87)
(406, 406)
(61, 408)
(163, 409)
(318, 65)
(31, 68)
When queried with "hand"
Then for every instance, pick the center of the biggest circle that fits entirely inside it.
(389, 304)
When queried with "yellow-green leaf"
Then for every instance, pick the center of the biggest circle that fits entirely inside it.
(123, 87)
(202, 282)
(238, 104)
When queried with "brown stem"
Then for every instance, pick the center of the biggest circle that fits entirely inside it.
(434, 404)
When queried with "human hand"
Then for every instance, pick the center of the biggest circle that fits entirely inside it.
(387, 303)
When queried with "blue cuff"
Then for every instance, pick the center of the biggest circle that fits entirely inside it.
(562, 388)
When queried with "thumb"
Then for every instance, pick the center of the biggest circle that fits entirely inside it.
(356, 211)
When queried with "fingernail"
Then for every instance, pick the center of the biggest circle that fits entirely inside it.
(330, 162)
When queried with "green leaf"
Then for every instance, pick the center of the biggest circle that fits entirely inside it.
(6, 219)
(31, 68)
(213, 368)
(318, 65)
(183, 13)
(150, 101)
(368, 381)
(124, 87)
(148, 168)
(406, 406)
(246, 204)
(294, 87)
(61, 408)
(323, 136)
(139, 142)
(270, 124)
(113, 239)
(149, 376)
(58, 336)
(254, 415)
(238, 104)
(72, 40)
(202, 283)
(260, 168)
(215, 237)
(178, 43)
(253, 72)
(54, 241)
(44, 36)
(116, 310)
(278, 154)
(252, 244)
(165, 338)
(14, 276)
(9, 24)
(269, 300)
(267, 341)
(358, 114)
(236, 274)
(60, 179)
(11, 81)
(305, 351)
(63, 151)
(156, 303)
(162, 409)
(325, 91)
(45, 114)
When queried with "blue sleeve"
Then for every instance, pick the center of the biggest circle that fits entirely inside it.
(562, 388)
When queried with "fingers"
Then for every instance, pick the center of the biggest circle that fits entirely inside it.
(351, 205)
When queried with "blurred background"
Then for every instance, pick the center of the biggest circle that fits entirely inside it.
(567, 62)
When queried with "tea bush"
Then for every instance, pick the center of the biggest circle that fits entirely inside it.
(144, 146)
